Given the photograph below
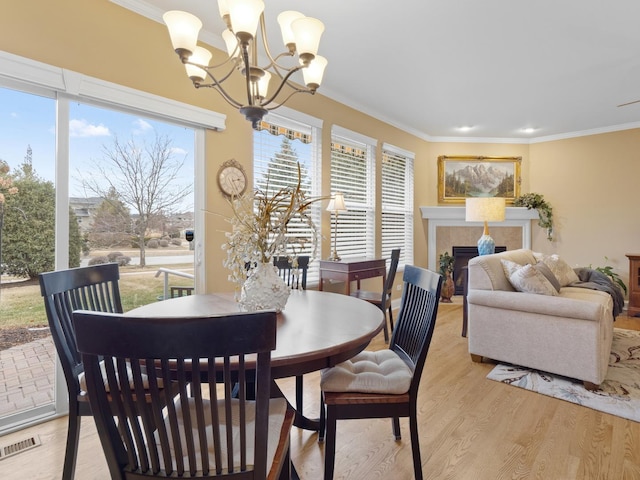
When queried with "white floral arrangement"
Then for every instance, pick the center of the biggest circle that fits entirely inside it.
(260, 229)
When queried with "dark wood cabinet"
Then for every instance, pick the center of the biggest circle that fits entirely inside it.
(634, 285)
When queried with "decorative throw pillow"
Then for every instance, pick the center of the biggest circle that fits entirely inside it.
(561, 269)
(528, 279)
(510, 267)
(548, 274)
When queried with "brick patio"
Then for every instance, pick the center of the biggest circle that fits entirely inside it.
(27, 376)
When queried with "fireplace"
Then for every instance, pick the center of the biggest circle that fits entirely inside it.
(446, 226)
(461, 257)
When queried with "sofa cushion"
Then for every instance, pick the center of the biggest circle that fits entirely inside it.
(561, 269)
(548, 274)
(528, 279)
(486, 272)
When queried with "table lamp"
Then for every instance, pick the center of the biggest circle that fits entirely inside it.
(336, 205)
(485, 209)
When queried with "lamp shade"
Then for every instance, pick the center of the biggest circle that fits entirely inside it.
(313, 73)
(183, 29)
(245, 15)
(485, 209)
(336, 204)
(307, 32)
(201, 56)
(285, 19)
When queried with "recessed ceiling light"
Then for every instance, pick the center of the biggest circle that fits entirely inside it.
(528, 130)
(464, 128)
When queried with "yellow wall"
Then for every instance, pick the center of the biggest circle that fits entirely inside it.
(588, 180)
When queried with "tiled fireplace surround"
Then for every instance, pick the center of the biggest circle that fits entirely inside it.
(447, 228)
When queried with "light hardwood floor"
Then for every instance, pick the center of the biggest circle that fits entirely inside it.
(470, 428)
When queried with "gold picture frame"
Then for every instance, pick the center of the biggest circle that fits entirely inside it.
(460, 177)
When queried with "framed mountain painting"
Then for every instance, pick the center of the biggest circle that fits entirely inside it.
(460, 177)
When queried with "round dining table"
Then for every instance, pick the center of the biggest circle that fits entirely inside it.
(315, 330)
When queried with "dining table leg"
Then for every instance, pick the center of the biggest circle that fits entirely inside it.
(299, 420)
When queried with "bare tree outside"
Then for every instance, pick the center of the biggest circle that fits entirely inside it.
(146, 178)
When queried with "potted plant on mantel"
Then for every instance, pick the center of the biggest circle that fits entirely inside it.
(446, 269)
(545, 211)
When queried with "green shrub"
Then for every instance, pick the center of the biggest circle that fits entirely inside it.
(99, 260)
(123, 260)
(113, 256)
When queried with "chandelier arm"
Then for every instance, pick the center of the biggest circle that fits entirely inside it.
(265, 44)
(214, 79)
(282, 84)
(216, 85)
(298, 90)
(222, 93)
(277, 67)
(205, 67)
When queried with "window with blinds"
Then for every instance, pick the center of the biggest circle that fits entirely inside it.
(353, 175)
(279, 144)
(397, 203)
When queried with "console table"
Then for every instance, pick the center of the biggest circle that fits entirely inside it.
(633, 308)
(352, 269)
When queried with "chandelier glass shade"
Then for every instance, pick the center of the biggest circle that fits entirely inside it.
(245, 25)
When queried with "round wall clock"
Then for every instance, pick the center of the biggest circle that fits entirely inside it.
(232, 179)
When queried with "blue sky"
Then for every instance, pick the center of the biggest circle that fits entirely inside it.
(29, 120)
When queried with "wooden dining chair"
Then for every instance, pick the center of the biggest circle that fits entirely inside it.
(383, 299)
(203, 431)
(297, 280)
(385, 383)
(294, 277)
(89, 288)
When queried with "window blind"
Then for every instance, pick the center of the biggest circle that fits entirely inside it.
(352, 174)
(397, 203)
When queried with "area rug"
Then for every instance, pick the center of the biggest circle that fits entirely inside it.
(619, 394)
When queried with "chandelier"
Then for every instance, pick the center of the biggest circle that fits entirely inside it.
(300, 35)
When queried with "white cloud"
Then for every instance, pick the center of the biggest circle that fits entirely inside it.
(141, 126)
(82, 128)
(13, 115)
(178, 151)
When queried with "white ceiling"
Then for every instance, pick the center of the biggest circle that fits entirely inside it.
(432, 66)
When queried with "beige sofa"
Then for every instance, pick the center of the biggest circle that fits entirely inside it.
(569, 334)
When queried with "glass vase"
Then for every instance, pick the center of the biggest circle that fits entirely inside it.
(264, 290)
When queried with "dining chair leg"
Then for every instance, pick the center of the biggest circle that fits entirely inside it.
(71, 451)
(330, 444)
(386, 330)
(299, 393)
(415, 446)
(390, 319)
(323, 420)
(395, 425)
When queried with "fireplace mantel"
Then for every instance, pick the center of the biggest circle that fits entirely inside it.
(454, 217)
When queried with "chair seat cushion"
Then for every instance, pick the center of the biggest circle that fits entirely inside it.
(277, 412)
(382, 371)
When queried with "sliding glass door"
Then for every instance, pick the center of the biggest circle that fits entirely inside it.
(82, 184)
